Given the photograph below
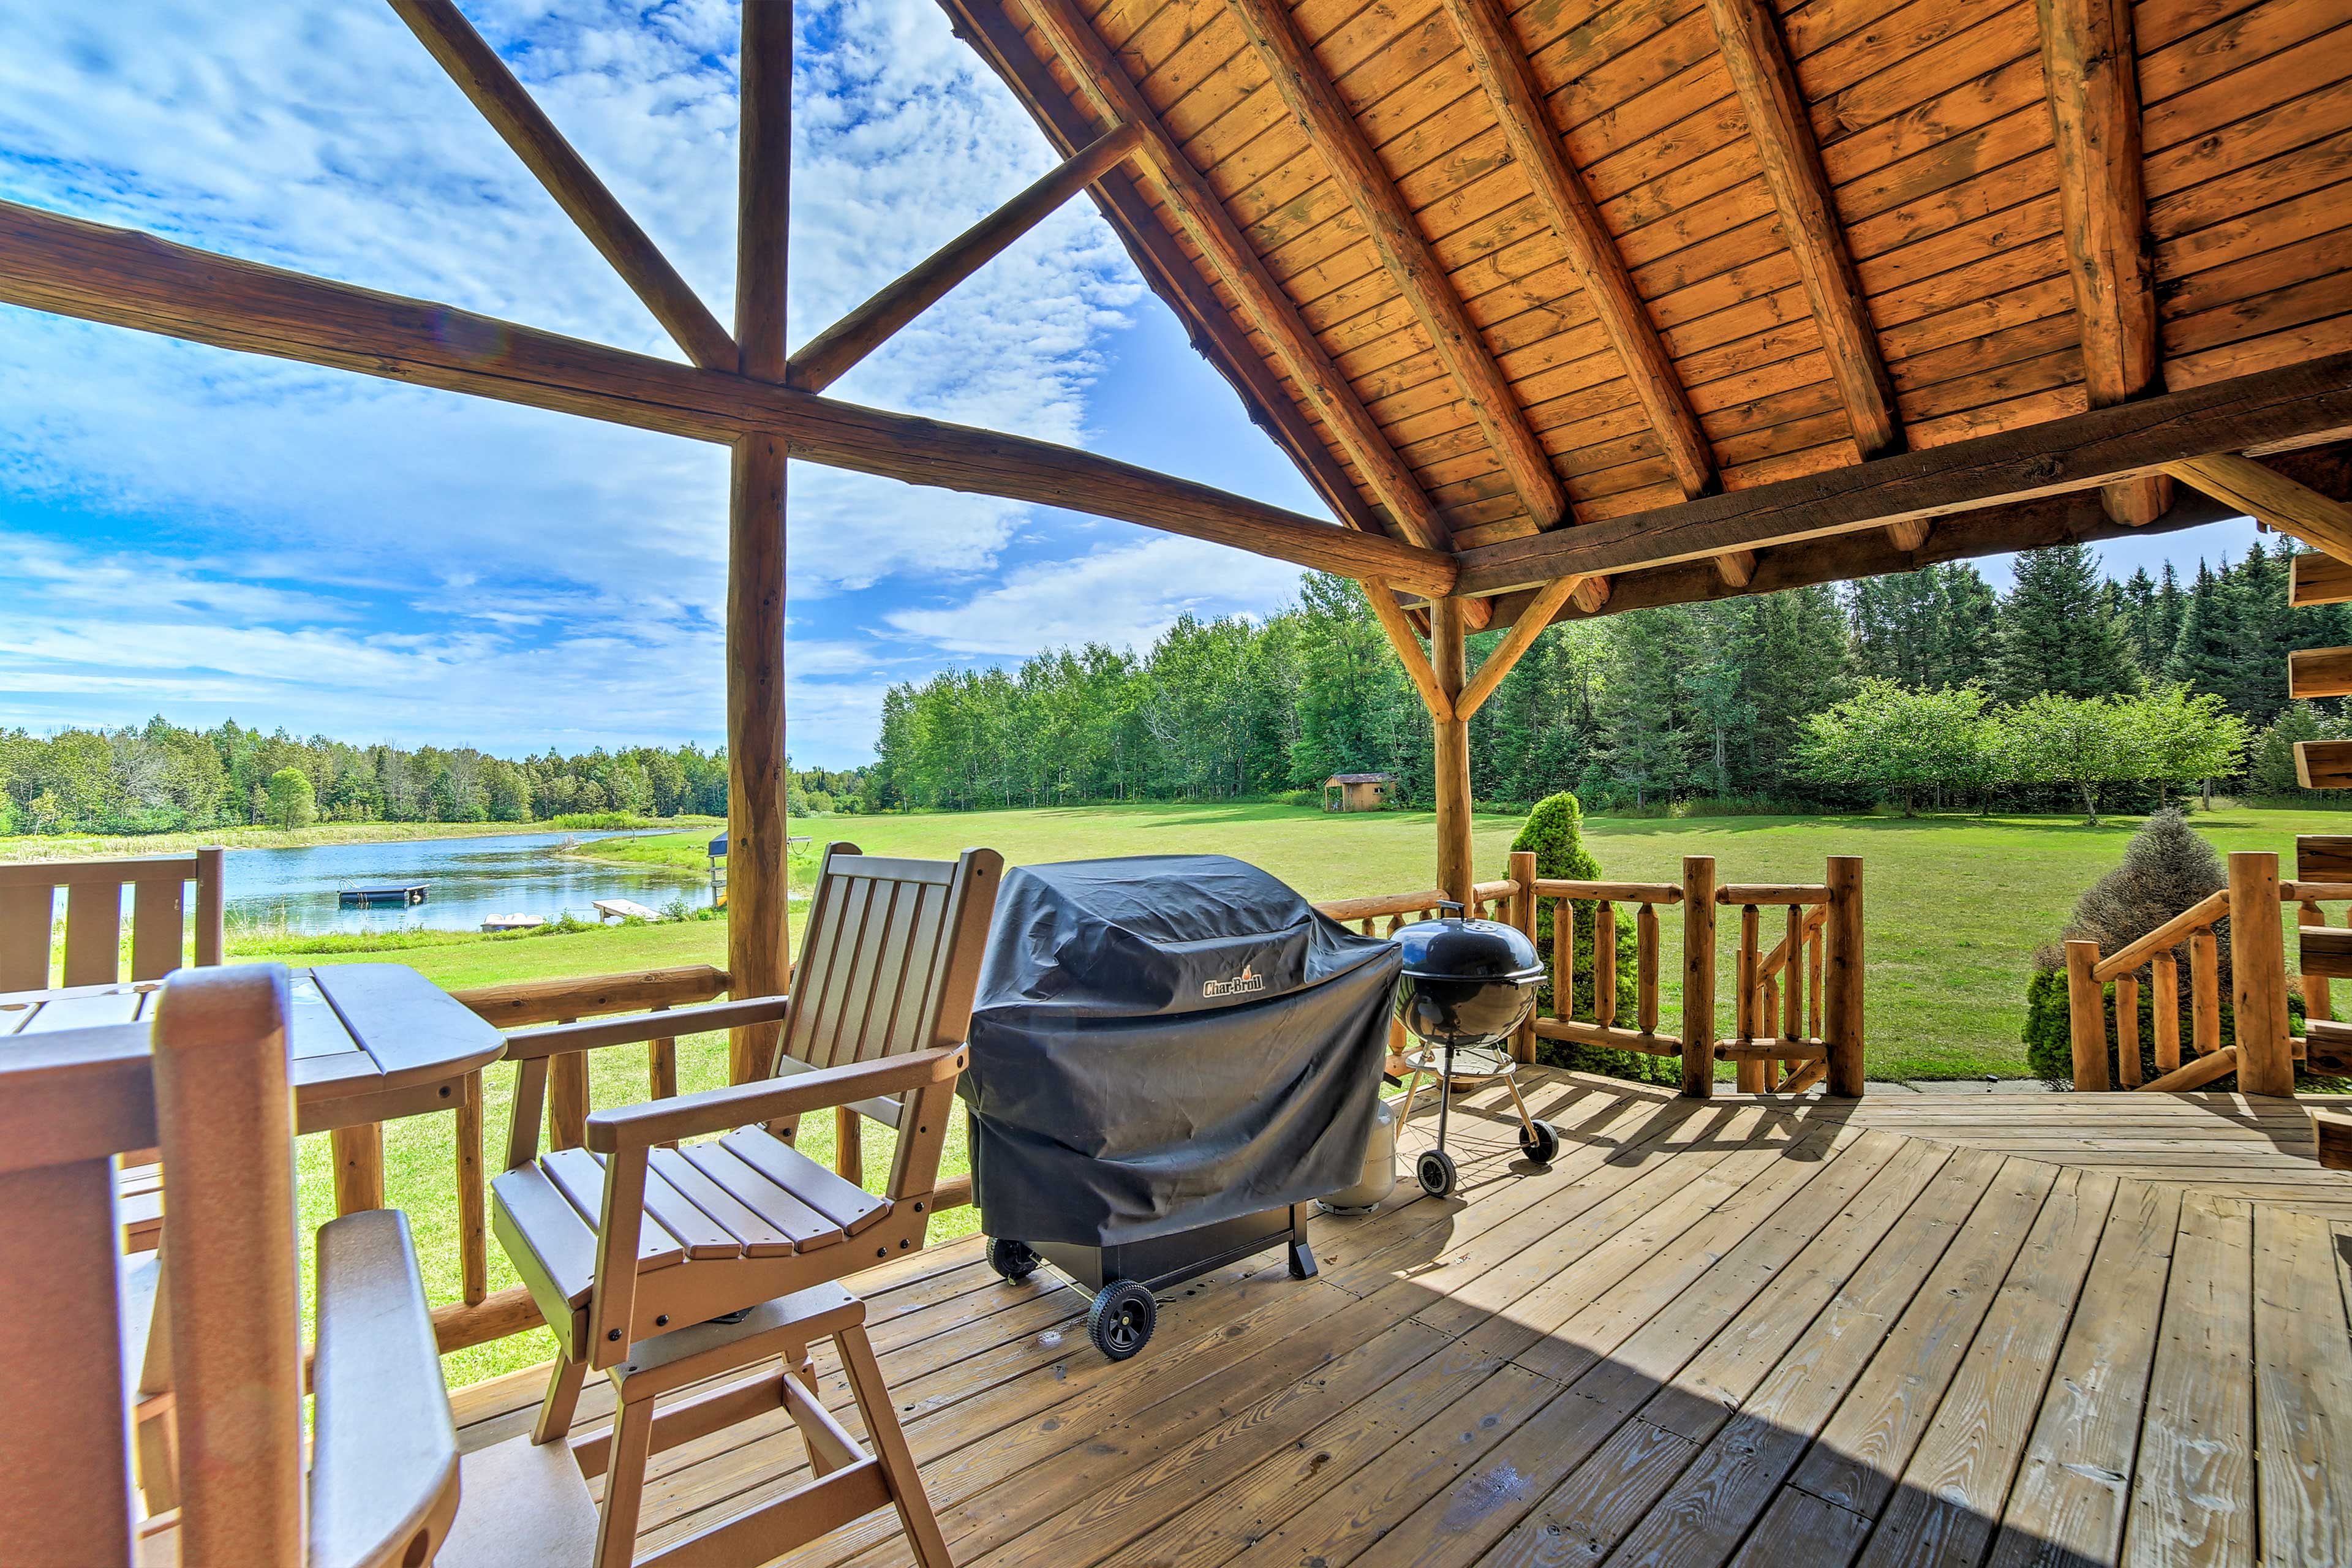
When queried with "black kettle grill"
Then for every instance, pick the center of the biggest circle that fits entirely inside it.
(1468, 985)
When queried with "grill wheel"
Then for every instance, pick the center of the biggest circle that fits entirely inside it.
(1122, 1318)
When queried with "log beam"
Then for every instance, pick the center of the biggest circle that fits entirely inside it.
(2261, 492)
(2075, 518)
(1212, 229)
(484, 79)
(125, 279)
(1757, 59)
(827, 357)
(1401, 637)
(2302, 403)
(1548, 600)
(2088, 62)
(759, 865)
(1501, 64)
(1405, 251)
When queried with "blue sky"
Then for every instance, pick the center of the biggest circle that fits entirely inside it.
(208, 535)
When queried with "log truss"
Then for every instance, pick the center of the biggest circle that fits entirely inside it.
(1569, 312)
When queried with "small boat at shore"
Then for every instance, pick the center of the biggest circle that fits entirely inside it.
(513, 922)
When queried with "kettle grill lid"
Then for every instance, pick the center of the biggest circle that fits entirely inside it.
(1454, 948)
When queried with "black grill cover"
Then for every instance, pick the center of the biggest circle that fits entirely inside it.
(1166, 1041)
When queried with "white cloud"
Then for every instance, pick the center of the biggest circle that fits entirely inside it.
(1125, 597)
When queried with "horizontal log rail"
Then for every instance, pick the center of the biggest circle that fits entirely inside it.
(1615, 892)
(2262, 1053)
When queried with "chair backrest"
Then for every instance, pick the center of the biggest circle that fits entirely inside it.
(158, 907)
(890, 957)
(213, 1091)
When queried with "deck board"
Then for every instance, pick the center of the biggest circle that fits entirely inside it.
(1737, 1331)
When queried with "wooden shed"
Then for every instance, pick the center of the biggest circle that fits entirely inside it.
(1357, 791)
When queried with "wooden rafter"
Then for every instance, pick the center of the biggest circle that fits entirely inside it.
(1777, 121)
(1405, 251)
(2089, 64)
(1503, 71)
(1212, 229)
(484, 79)
(827, 357)
(2261, 492)
(125, 279)
(1157, 255)
(2301, 403)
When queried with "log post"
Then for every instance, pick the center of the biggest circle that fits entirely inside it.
(1841, 981)
(473, 1237)
(2257, 976)
(1523, 916)
(1698, 975)
(209, 891)
(1748, 1075)
(758, 869)
(1456, 875)
(2087, 1015)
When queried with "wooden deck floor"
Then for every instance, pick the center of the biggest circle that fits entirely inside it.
(1735, 1332)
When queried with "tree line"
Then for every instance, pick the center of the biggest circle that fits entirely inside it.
(162, 777)
(1748, 698)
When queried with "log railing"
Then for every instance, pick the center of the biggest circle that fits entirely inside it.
(2262, 1051)
(1797, 1007)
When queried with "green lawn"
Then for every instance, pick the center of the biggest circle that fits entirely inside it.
(1953, 907)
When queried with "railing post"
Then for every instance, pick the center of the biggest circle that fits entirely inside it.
(1523, 916)
(2087, 1015)
(1842, 1016)
(473, 1238)
(1698, 975)
(2257, 976)
(210, 930)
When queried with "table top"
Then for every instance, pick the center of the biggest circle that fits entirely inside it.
(358, 1028)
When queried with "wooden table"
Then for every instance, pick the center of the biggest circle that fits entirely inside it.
(372, 1043)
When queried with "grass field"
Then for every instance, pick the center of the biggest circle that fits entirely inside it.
(1953, 907)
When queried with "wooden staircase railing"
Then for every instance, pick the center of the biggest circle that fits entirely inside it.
(2262, 1051)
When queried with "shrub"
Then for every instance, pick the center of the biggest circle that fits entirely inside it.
(2049, 1030)
(2166, 869)
(574, 820)
(1555, 832)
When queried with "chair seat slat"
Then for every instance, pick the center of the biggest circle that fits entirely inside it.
(547, 1224)
(808, 1229)
(848, 1206)
(757, 1238)
(580, 1177)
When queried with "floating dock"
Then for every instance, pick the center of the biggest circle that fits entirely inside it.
(402, 893)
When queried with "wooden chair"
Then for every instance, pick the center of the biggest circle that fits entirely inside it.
(385, 1475)
(632, 1245)
(93, 955)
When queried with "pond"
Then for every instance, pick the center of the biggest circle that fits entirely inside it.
(467, 880)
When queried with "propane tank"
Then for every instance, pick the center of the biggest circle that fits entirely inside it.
(1379, 1172)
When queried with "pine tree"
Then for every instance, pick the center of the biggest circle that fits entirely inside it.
(2202, 655)
(2059, 631)
(1968, 626)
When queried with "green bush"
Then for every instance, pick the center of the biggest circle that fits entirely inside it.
(574, 820)
(2049, 1040)
(1555, 832)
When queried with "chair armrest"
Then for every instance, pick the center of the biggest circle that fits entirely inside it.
(555, 1039)
(717, 1109)
(383, 1464)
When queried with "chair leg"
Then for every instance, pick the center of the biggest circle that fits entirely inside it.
(624, 1482)
(554, 1422)
(891, 1451)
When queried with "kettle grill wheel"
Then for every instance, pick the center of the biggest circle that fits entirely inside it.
(1434, 1171)
(1539, 1141)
